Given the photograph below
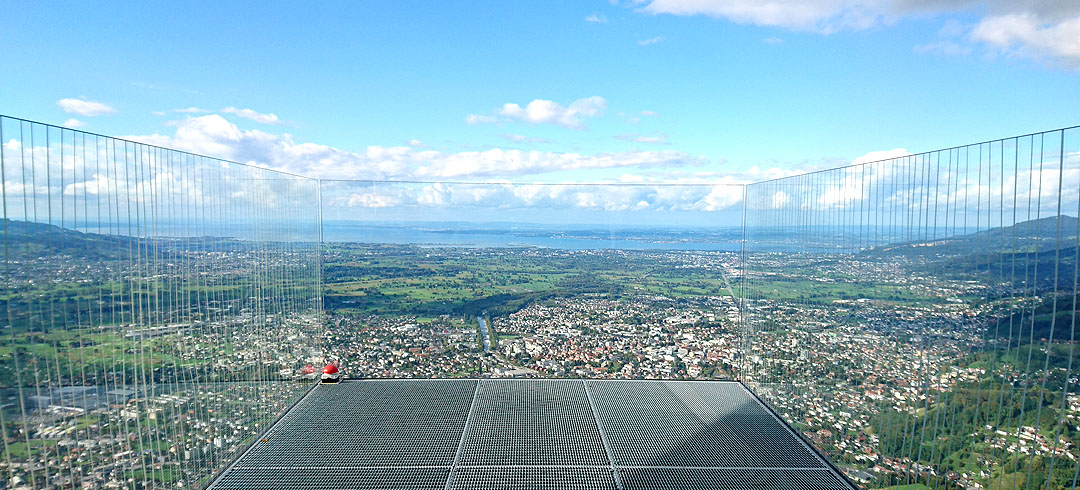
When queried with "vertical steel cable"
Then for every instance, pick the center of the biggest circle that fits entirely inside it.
(38, 309)
(178, 309)
(1011, 252)
(9, 282)
(913, 235)
(203, 297)
(941, 396)
(76, 357)
(1049, 344)
(932, 210)
(940, 379)
(978, 227)
(258, 273)
(102, 378)
(1067, 380)
(83, 325)
(140, 281)
(187, 346)
(129, 320)
(154, 311)
(115, 276)
(49, 325)
(26, 299)
(920, 353)
(1034, 305)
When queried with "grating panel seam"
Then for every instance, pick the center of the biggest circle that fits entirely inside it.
(464, 432)
(562, 466)
(692, 424)
(352, 467)
(532, 478)
(326, 478)
(741, 468)
(569, 466)
(463, 472)
(645, 467)
(603, 435)
(383, 424)
(786, 479)
(280, 419)
(798, 437)
(527, 422)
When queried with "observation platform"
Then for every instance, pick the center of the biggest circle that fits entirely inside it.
(530, 434)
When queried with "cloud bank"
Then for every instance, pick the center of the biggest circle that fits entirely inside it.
(86, 108)
(1039, 29)
(214, 135)
(542, 111)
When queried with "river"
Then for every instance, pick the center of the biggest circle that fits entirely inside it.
(484, 335)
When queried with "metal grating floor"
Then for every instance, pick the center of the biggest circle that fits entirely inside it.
(698, 424)
(519, 434)
(532, 422)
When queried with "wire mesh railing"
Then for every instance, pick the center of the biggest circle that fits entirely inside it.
(490, 279)
(158, 306)
(916, 317)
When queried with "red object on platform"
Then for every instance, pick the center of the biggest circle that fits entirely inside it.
(308, 369)
(330, 369)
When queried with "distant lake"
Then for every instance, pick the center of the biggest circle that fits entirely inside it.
(818, 239)
(575, 238)
(485, 235)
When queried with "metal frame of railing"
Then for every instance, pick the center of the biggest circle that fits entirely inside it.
(873, 259)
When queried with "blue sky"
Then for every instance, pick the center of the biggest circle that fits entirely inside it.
(704, 91)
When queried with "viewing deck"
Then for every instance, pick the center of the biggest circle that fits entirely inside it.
(530, 433)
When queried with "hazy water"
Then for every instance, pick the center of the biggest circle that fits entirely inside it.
(571, 238)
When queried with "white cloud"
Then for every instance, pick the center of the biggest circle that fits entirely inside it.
(73, 123)
(652, 40)
(803, 15)
(479, 119)
(856, 181)
(190, 110)
(879, 155)
(258, 117)
(659, 138)
(704, 189)
(780, 199)
(758, 174)
(948, 48)
(366, 199)
(1026, 34)
(636, 118)
(215, 136)
(772, 40)
(86, 108)
(567, 195)
(541, 111)
(1040, 29)
(520, 138)
(596, 19)
(502, 163)
(721, 197)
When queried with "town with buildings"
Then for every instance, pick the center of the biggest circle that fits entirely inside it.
(860, 371)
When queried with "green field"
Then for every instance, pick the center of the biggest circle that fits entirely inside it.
(419, 281)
